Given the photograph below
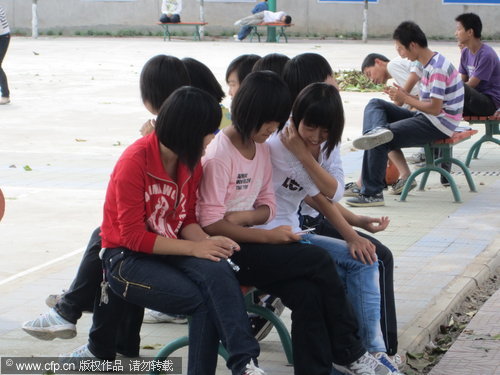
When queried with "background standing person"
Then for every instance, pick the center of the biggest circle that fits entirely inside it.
(171, 11)
(4, 44)
(245, 30)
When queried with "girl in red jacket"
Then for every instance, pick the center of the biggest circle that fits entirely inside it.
(157, 255)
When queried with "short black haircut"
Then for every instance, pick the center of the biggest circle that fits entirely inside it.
(408, 32)
(275, 62)
(305, 69)
(262, 97)
(369, 60)
(288, 20)
(161, 76)
(187, 116)
(471, 21)
(242, 65)
(320, 105)
(203, 78)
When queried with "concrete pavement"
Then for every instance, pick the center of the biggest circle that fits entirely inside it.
(76, 106)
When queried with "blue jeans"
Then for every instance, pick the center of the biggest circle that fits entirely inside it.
(207, 291)
(244, 32)
(176, 18)
(361, 282)
(410, 129)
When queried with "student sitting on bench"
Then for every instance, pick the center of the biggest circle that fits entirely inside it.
(438, 112)
(479, 67)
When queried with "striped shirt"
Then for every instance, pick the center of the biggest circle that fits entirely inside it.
(441, 80)
(4, 26)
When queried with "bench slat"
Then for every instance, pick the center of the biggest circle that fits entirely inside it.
(182, 23)
(481, 118)
(457, 137)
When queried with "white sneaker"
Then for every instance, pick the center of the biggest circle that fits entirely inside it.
(384, 359)
(4, 100)
(252, 369)
(49, 326)
(77, 355)
(364, 365)
(152, 317)
(236, 39)
(373, 138)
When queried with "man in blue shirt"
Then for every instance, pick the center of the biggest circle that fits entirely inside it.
(245, 30)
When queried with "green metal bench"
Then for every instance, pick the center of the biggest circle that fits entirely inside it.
(166, 30)
(492, 124)
(445, 146)
(251, 307)
(274, 25)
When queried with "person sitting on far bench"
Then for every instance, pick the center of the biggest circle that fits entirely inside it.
(438, 113)
(264, 17)
(405, 73)
(171, 11)
(479, 67)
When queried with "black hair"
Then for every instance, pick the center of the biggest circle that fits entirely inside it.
(187, 116)
(262, 97)
(320, 105)
(275, 62)
(288, 20)
(203, 78)
(305, 69)
(369, 60)
(161, 76)
(242, 65)
(408, 32)
(471, 21)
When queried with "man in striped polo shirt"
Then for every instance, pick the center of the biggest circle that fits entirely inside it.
(438, 111)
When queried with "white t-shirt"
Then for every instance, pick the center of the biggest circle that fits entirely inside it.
(400, 69)
(292, 183)
(273, 16)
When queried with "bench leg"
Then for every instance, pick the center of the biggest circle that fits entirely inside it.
(166, 33)
(465, 170)
(282, 34)
(169, 349)
(427, 169)
(197, 35)
(284, 336)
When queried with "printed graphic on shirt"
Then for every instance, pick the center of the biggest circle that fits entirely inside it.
(243, 181)
(162, 196)
(291, 184)
(470, 70)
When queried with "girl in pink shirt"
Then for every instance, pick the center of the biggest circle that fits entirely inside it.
(236, 193)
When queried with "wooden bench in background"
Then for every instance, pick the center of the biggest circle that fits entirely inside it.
(492, 124)
(166, 30)
(281, 26)
(445, 146)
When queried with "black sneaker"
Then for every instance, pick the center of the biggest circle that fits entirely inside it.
(366, 200)
(261, 326)
(373, 138)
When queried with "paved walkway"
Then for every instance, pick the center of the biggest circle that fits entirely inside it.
(76, 106)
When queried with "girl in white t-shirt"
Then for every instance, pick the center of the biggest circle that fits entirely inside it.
(300, 156)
